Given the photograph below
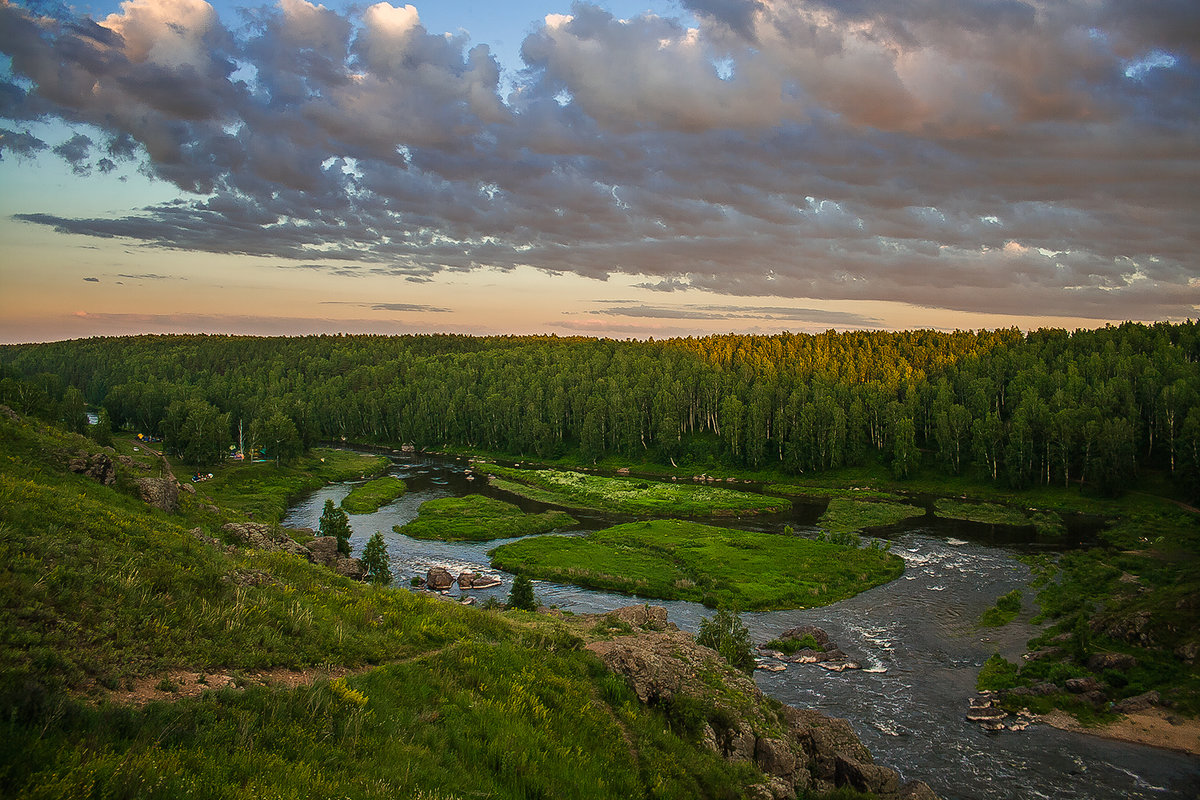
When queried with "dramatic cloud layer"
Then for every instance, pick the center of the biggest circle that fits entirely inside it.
(1034, 157)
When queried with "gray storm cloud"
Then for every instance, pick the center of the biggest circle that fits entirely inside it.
(980, 155)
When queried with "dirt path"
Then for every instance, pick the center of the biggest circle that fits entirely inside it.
(178, 684)
(1154, 727)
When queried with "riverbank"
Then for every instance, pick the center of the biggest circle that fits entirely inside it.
(1155, 727)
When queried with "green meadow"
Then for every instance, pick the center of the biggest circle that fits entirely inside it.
(847, 516)
(478, 518)
(677, 560)
(629, 495)
(369, 497)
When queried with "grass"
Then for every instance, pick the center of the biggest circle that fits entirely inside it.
(846, 516)
(1137, 598)
(263, 491)
(1046, 523)
(1005, 611)
(97, 590)
(478, 518)
(677, 560)
(369, 497)
(818, 491)
(629, 495)
(792, 646)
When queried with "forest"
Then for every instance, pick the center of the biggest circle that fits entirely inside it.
(1094, 408)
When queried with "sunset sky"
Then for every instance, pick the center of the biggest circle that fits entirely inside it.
(629, 169)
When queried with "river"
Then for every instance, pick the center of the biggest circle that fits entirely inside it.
(916, 637)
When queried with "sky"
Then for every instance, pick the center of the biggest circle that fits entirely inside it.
(630, 169)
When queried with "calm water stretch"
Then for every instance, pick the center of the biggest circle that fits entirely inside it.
(915, 637)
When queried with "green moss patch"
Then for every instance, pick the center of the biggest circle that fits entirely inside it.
(677, 560)
(478, 518)
(369, 497)
(845, 516)
(629, 495)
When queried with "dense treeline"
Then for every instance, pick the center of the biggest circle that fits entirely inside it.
(1050, 407)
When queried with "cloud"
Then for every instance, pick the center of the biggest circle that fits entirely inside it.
(19, 143)
(850, 150)
(770, 313)
(402, 307)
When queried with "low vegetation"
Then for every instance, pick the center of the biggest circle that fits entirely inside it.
(99, 591)
(369, 497)
(1047, 523)
(1005, 611)
(677, 560)
(478, 518)
(264, 490)
(846, 516)
(1124, 618)
(827, 489)
(629, 495)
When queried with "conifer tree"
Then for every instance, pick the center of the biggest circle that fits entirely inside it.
(376, 560)
(335, 522)
(521, 595)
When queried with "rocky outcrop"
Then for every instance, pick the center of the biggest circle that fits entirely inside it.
(161, 493)
(267, 537)
(322, 550)
(826, 654)
(797, 750)
(97, 466)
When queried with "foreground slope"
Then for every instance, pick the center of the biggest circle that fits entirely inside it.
(99, 593)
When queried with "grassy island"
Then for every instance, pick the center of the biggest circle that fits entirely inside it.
(1047, 523)
(629, 495)
(369, 497)
(677, 560)
(477, 518)
(846, 516)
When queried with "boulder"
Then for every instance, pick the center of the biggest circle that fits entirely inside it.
(866, 777)
(1140, 702)
(97, 466)
(187, 487)
(917, 790)
(439, 579)
(323, 550)
(466, 579)
(1119, 661)
(1188, 651)
(818, 635)
(351, 568)
(485, 582)
(161, 493)
(1082, 685)
(646, 617)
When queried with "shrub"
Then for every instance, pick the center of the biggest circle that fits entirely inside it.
(726, 634)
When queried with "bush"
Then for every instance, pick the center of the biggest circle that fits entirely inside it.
(726, 634)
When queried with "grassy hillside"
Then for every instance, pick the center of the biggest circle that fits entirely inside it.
(99, 592)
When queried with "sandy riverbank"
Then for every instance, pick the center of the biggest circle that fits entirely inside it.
(1155, 727)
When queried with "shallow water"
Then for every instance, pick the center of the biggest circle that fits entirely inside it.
(916, 636)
